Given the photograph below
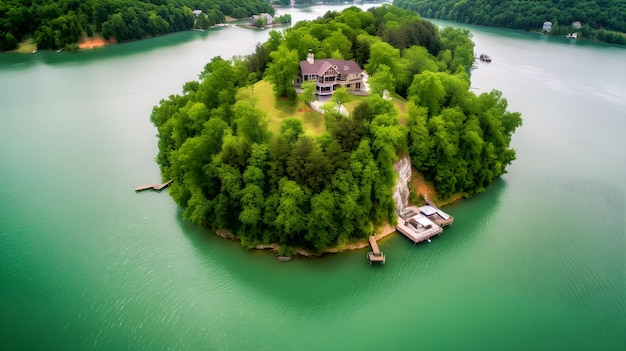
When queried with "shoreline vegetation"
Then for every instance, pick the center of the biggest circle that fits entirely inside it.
(603, 21)
(245, 153)
(96, 40)
(424, 189)
(59, 25)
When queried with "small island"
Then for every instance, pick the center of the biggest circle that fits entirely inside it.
(250, 156)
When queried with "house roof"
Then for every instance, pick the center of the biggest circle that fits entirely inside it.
(430, 210)
(319, 66)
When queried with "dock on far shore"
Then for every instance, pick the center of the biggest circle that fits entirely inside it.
(375, 255)
(156, 187)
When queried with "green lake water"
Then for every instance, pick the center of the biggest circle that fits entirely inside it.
(536, 262)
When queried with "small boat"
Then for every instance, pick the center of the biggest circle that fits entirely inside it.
(485, 58)
(35, 51)
(284, 258)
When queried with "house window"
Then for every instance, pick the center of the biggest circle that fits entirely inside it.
(348, 85)
(358, 85)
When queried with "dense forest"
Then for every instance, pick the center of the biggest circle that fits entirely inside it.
(313, 191)
(600, 19)
(57, 24)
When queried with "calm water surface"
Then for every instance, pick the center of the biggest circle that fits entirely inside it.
(536, 262)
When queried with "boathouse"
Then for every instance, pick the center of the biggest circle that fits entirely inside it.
(422, 223)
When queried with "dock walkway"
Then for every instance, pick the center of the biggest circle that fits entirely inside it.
(375, 255)
(156, 187)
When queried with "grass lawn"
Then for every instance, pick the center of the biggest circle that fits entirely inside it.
(26, 46)
(281, 109)
(314, 123)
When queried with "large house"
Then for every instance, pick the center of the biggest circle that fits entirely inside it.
(330, 74)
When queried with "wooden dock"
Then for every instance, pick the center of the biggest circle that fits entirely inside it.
(416, 226)
(375, 255)
(156, 187)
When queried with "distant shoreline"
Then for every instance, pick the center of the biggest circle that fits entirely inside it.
(92, 42)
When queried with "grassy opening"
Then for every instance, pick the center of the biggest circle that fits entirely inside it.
(26, 46)
(278, 110)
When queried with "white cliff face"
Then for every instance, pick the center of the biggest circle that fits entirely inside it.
(401, 191)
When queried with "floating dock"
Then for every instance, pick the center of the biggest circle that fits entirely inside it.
(422, 223)
(156, 187)
(375, 255)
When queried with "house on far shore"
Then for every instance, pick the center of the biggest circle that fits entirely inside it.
(547, 26)
(197, 13)
(577, 24)
(330, 74)
(263, 17)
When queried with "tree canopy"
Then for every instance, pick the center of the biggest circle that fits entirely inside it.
(598, 18)
(56, 24)
(300, 190)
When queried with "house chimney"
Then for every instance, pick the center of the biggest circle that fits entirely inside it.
(310, 57)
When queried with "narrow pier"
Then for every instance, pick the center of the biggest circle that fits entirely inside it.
(156, 187)
(375, 255)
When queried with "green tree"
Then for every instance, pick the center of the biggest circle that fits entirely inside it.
(291, 129)
(320, 230)
(9, 42)
(382, 53)
(308, 92)
(282, 70)
(382, 80)
(251, 121)
(291, 218)
(341, 96)
(428, 91)
(419, 140)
